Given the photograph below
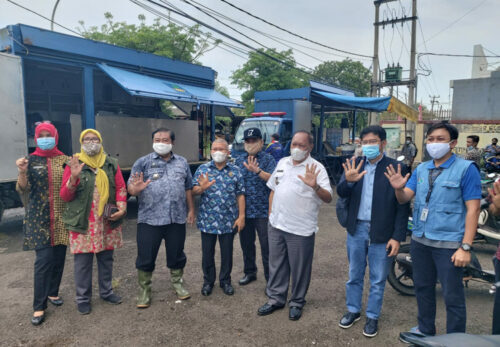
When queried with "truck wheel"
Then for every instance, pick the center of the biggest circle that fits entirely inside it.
(400, 275)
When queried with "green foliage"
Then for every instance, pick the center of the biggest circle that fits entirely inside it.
(221, 89)
(346, 74)
(262, 73)
(171, 40)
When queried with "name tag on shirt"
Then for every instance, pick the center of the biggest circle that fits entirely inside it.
(423, 215)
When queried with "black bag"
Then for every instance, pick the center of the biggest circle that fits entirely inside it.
(342, 209)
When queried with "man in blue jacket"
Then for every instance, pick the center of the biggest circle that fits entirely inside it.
(376, 224)
(447, 193)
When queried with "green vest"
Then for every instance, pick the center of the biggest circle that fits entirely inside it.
(77, 212)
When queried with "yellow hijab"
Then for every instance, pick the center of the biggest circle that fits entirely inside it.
(96, 162)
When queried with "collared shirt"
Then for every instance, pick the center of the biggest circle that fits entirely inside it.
(256, 191)
(475, 154)
(163, 201)
(218, 205)
(365, 205)
(295, 205)
(276, 150)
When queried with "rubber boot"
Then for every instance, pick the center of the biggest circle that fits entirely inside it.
(144, 297)
(177, 284)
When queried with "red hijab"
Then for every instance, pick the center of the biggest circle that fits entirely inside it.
(53, 132)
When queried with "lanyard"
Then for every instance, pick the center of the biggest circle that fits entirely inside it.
(433, 175)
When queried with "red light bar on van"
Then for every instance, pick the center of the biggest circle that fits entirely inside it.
(263, 114)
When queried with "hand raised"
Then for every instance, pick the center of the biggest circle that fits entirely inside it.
(22, 165)
(252, 164)
(395, 178)
(138, 183)
(76, 167)
(311, 175)
(204, 182)
(495, 194)
(351, 171)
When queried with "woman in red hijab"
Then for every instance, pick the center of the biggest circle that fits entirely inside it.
(38, 184)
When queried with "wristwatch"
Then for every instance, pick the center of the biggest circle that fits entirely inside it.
(466, 247)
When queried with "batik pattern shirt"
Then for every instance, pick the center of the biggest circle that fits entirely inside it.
(163, 201)
(256, 190)
(218, 205)
(43, 225)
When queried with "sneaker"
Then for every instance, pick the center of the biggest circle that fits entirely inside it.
(83, 307)
(349, 319)
(113, 299)
(409, 336)
(371, 327)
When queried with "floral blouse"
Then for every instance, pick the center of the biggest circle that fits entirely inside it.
(100, 235)
(43, 224)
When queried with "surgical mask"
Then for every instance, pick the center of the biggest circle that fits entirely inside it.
(46, 143)
(437, 150)
(253, 148)
(162, 148)
(298, 154)
(219, 157)
(408, 142)
(371, 151)
(470, 148)
(91, 148)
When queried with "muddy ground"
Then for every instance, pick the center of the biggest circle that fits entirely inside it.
(207, 321)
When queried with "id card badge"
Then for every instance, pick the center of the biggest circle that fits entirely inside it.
(423, 215)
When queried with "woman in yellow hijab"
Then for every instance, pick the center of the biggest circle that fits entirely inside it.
(96, 196)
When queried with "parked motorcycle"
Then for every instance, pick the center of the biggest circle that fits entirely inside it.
(400, 275)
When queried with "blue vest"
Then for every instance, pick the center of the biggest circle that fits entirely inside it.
(446, 215)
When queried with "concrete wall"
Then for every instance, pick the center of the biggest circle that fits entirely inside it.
(477, 99)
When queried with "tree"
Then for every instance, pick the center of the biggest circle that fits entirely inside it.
(262, 73)
(171, 40)
(346, 74)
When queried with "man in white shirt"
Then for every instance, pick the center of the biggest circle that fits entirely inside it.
(298, 186)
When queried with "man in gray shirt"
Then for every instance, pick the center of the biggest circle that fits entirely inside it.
(162, 182)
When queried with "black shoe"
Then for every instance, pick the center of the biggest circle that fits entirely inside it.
(247, 279)
(206, 290)
(113, 299)
(266, 309)
(38, 320)
(227, 288)
(371, 327)
(56, 302)
(348, 319)
(83, 308)
(295, 313)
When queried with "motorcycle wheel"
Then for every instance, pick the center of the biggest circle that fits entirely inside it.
(400, 275)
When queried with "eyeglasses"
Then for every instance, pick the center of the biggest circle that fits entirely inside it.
(43, 122)
(94, 140)
(370, 142)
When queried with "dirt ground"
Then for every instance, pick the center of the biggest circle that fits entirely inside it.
(215, 320)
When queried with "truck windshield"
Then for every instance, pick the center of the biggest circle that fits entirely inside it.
(267, 128)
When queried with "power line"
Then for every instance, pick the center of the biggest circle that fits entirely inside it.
(292, 33)
(40, 15)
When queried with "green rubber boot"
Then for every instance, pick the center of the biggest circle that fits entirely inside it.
(177, 284)
(144, 297)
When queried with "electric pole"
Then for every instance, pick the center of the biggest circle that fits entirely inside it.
(413, 53)
(433, 101)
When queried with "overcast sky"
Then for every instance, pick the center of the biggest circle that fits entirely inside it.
(449, 26)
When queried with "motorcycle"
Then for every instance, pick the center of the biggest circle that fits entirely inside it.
(400, 275)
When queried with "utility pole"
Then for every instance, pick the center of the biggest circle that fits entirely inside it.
(413, 53)
(374, 88)
(433, 101)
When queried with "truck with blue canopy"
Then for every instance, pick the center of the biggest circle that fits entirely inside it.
(78, 83)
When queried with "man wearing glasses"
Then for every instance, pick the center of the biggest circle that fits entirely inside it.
(376, 224)
(447, 191)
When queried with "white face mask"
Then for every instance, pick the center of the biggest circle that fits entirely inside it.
(91, 148)
(162, 148)
(219, 157)
(298, 154)
(437, 150)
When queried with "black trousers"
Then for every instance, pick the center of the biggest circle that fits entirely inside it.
(496, 307)
(247, 242)
(83, 275)
(49, 267)
(149, 239)
(208, 242)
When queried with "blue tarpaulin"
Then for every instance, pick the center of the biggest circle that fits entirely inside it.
(354, 102)
(146, 86)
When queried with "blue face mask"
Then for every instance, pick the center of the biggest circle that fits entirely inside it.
(46, 143)
(371, 151)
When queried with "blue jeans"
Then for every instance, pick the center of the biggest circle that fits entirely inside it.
(430, 263)
(359, 249)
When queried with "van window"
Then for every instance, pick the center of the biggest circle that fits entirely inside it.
(267, 128)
